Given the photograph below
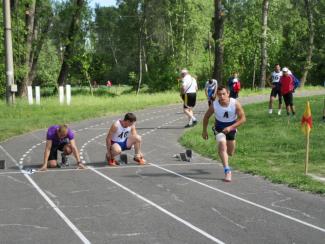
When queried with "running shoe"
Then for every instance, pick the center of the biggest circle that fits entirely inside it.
(228, 176)
(64, 160)
(112, 162)
(140, 160)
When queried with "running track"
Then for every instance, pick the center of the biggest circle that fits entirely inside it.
(166, 201)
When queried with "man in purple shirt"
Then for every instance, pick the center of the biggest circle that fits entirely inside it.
(59, 137)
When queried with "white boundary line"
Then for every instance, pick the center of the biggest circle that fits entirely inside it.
(51, 203)
(242, 199)
(188, 224)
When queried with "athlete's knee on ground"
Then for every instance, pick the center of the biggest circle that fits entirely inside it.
(52, 163)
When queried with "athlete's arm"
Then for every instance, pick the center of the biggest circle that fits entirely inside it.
(206, 118)
(75, 151)
(109, 137)
(133, 130)
(241, 118)
(47, 152)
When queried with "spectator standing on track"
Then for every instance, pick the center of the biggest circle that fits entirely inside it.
(60, 138)
(188, 91)
(234, 85)
(276, 89)
(211, 90)
(287, 89)
(122, 136)
(229, 114)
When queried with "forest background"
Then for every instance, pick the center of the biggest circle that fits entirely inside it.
(145, 43)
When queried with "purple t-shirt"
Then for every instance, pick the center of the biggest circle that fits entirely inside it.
(53, 136)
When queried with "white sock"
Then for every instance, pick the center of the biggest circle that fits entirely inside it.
(279, 112)
(193, 118)
(270, 110)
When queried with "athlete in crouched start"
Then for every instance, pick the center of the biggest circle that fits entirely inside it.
(122, 136)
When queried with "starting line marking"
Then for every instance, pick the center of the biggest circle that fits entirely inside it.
(51, 203)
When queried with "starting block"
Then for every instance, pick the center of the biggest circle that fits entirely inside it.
(2, 164)
(187, 156)
(124, 158)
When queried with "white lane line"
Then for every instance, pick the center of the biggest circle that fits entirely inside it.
(51, 203)
(58, 211)
(242, 199)
(193, 227)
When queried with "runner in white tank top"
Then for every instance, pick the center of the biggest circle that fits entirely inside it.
(276, 91)
(229, 114)
(122, 136)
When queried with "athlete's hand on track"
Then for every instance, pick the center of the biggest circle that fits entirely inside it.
(43, 168)
(81, 166)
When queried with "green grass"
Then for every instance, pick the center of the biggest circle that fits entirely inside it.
(22, 118)
(269, 146)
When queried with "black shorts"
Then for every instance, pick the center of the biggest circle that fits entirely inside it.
(288, 99)
(231, 136)
(54, 151)
(189, 100)
(233, 94)
(276, 91)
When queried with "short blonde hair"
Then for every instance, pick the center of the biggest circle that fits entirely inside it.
(63, 129)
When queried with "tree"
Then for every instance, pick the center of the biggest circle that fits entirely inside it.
(27, 61)
(265, 10)
(219, 17)
(69, 46)
(310, 48)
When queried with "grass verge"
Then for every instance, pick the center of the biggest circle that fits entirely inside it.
(22, 118)
(273, 146)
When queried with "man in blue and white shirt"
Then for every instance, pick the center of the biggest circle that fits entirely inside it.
(276, 88)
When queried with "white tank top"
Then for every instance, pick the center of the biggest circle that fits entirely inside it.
(122, 133)
(225, 116)
(189, 84)
(276, 76)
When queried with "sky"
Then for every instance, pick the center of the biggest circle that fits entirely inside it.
(102, 3)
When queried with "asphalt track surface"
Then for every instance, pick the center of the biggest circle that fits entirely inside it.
(165, 201)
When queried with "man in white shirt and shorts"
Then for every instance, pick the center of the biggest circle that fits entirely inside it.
(188, 93)
(229, 114)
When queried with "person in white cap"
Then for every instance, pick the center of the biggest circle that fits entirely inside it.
(287, 89)
(229, 114)
(188, 91)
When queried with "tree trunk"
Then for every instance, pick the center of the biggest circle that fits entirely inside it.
(29, 20)
(37, 50)
(308, 64)
(113, 50)
(218, 38)
(140, 61)
(68, 52)
(265, 10)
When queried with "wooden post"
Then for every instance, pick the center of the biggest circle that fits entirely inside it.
(307, 153)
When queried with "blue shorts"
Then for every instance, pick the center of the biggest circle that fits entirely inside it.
(123, 144)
